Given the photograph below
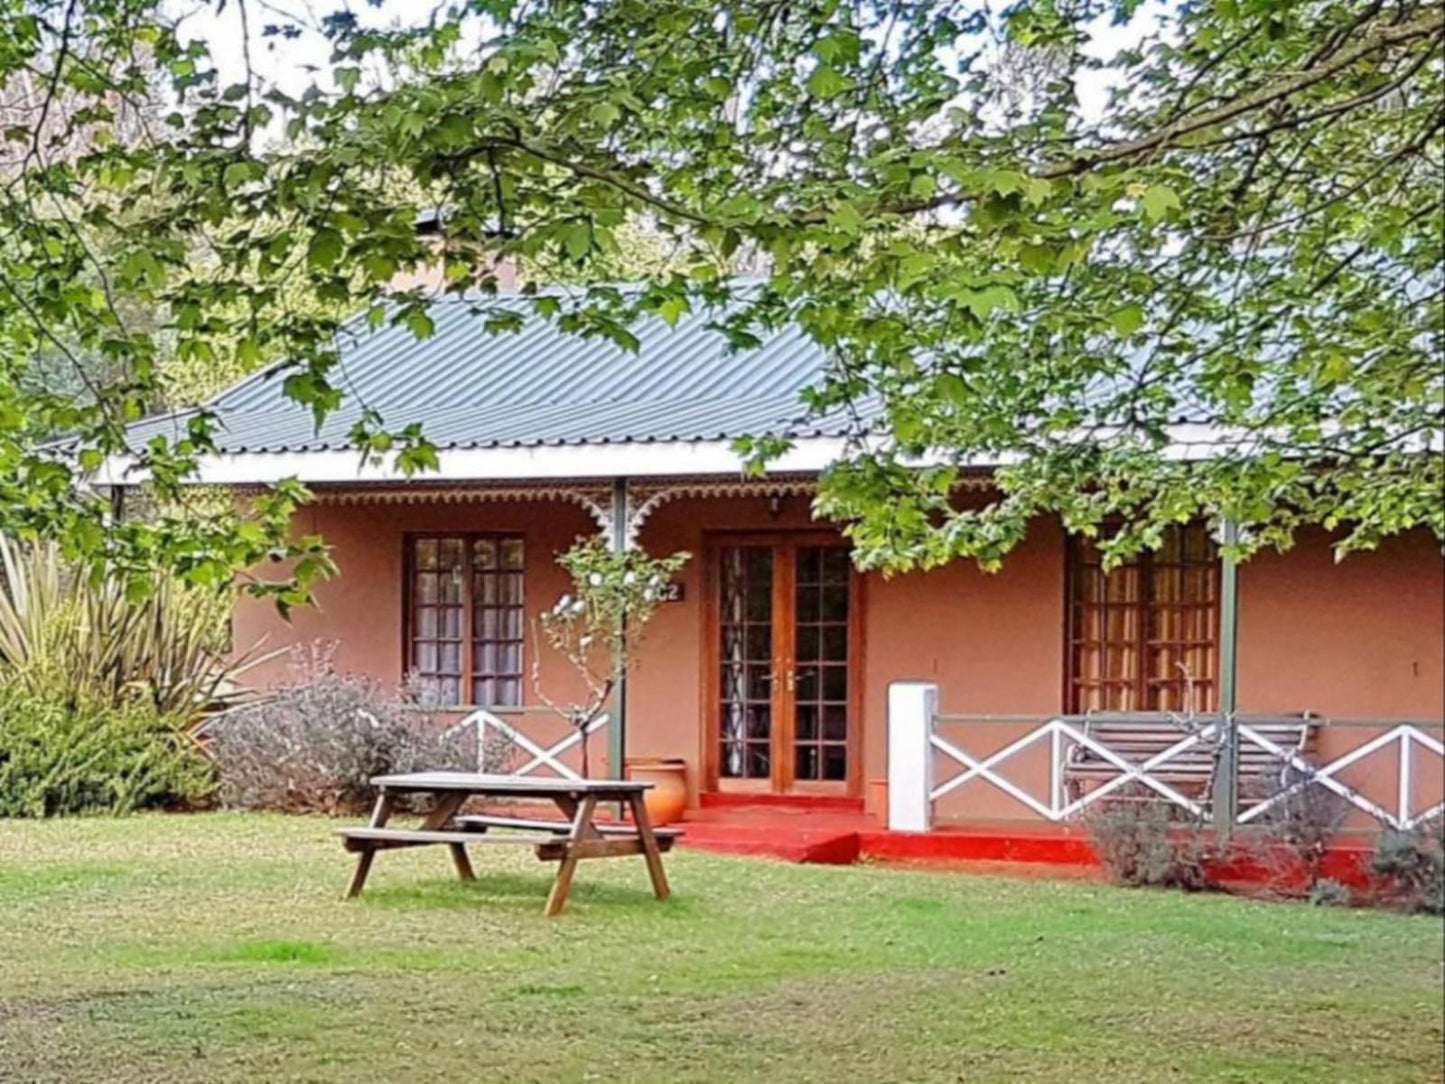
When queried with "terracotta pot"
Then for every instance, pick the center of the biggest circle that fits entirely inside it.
(668, 797)
(878, 799)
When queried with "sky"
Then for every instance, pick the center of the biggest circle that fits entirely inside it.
(288, 63)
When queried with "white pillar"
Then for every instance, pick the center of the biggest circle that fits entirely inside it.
(911, 706)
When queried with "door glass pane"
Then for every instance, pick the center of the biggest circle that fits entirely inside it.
(745, 641)
(821, 615)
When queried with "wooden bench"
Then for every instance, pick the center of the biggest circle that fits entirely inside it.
(1139, 739)
(482, 822)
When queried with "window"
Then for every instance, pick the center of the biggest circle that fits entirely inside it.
(1145, 635)
(465, 618)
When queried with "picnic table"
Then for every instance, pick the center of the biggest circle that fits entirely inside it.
(576, 836)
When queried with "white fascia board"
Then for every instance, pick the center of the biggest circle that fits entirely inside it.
(636, 459)
(570, 461)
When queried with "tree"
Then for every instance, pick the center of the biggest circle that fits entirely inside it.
(598, 625)
(1074, 238)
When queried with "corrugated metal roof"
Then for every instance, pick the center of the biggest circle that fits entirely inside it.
(536, 386)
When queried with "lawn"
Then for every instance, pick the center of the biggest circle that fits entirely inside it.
(216, 948)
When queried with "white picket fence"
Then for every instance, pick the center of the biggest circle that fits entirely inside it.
(489, 726)
(917, 752)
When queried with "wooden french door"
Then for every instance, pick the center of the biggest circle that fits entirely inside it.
(784, 646)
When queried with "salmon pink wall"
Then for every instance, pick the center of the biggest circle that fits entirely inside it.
(361, 609)
(1361, 638)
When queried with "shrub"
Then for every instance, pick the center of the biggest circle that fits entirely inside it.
(1411, 867)
(112, 639)
(1139, 844)
(1327, 892)
(315, 743)
(60, 756)
(1294, 834)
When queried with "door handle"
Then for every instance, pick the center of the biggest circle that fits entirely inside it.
(786, 675)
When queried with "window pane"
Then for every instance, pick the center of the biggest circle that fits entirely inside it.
(807, 722)
(836, 564)
(807, 766)
(451, 586)
(1143, 633)
(808, 642)
(511, 588)
(450, 658)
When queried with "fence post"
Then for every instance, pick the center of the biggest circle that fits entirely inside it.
(1226, 782)
(911, 707)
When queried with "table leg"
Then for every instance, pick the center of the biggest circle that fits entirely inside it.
(650, 849)
(380, 813)
(462, 862)
(581, 828)
(445, 809)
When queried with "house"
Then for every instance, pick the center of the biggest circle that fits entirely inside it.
(769, 670)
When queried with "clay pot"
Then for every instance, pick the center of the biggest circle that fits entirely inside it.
(667, 798)
(878, 799)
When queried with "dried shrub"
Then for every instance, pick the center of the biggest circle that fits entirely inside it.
(315, 743)
(1140, 843)
(1293, 836)
(1326, 892)
(1411, 868)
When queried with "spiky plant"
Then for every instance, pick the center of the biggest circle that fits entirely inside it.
(99, 637)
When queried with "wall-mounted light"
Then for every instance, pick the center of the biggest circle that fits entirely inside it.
(775, 505)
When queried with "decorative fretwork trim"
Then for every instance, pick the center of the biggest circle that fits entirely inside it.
(643, 497)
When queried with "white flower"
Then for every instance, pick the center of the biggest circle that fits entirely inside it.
(630, 578)
(595, 579)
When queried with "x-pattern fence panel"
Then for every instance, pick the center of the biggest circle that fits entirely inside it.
(1406, 736)
(1066, 734)
(1062, 732)
(540, 756)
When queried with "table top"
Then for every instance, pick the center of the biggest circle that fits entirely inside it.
(480, 783)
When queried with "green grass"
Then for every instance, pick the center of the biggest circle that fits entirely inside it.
(216, 948)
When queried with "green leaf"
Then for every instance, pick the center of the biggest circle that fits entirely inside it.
(672, 309)
(605, 113)
(827, 83)
(953, 388)
(983, 302)
(419, 323)
(1128, 319)
(325, 249)
(1158, 200)
(577, 240)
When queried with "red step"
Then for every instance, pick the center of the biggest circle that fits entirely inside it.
(816, 838)
(836, 803)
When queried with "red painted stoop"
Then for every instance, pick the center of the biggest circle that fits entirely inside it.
(824, 832)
